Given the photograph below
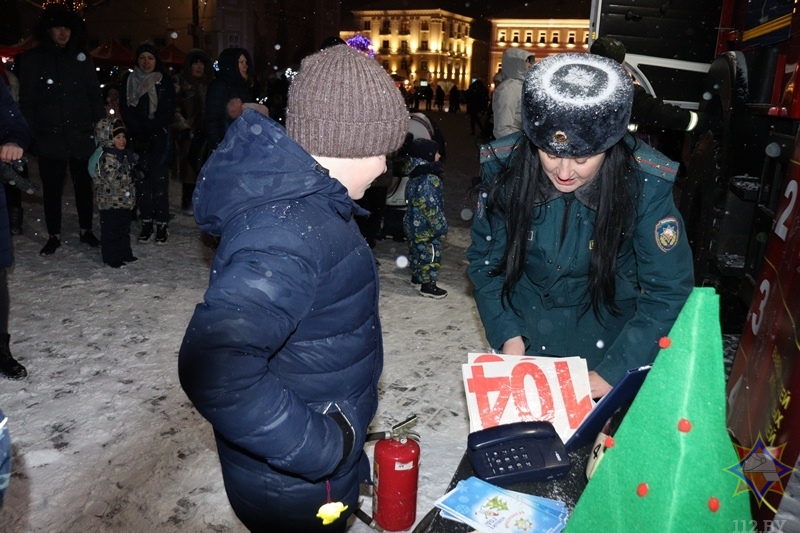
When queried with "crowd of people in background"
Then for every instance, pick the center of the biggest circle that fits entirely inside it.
(172, 122)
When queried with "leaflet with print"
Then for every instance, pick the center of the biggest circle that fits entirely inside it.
(489, 509)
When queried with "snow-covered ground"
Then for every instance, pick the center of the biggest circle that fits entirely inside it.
(103, 437)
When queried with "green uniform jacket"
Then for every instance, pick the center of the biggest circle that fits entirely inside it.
(654, 277)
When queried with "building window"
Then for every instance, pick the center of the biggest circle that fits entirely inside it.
(404, 30)
(403, 64)
(386, 66)
(404, 47)
(466, 31)
(386, 27)
(367, 24)
(423, 45)
(571, 38)
(385, 44)
(554, 39)
(423, 25)
(515, 37)
(501, 36)
(423, 66)
(543, 37)
(586, 37)
(529, 37)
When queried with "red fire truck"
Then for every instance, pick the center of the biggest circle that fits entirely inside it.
(737, 61)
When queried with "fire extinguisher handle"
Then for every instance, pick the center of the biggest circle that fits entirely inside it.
(379, 435)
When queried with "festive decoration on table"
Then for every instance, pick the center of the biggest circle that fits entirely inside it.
(667, 470)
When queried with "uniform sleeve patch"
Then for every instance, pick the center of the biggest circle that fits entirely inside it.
(667, 233)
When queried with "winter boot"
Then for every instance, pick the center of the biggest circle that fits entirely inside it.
(147, 231)
(186, 198)
(430, 290)
(87, 237)
(9, 366)
(50, 247)
(161, 233)
(15, 220)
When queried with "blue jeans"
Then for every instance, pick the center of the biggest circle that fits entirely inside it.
(5, 457)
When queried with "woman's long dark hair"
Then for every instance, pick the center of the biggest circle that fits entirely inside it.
(518, 191)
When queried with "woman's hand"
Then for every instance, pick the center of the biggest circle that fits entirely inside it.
(234, 108)
(514, 346)
(599, 387)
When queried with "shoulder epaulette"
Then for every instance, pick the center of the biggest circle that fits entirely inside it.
(651, 161)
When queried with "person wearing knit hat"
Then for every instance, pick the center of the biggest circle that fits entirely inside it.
(284, 354)
(59, 96)
(577, 246)
(147, 106)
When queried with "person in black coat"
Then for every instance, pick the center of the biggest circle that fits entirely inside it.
(233, 87)
(60, 98)
(647, 110)
(14, 138)
(147, 104)
(455, 99)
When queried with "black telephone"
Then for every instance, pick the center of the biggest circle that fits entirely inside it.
(517, 453)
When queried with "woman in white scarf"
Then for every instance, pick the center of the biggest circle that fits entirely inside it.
(148, 108)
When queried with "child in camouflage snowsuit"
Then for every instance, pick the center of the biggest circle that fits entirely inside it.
(115, 192)
(424, 223)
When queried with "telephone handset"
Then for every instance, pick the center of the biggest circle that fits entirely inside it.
(517, 453)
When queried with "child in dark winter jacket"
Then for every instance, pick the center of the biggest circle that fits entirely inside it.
(424, 223)
(115, 192)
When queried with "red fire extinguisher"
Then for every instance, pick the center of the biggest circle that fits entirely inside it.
(396, 473)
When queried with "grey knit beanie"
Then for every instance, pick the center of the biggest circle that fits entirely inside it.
(343, 104)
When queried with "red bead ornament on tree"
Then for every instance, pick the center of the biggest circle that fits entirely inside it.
(713, 504)
(664, 343)
(684, 426)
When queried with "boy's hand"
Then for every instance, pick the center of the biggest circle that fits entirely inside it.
(10, 152)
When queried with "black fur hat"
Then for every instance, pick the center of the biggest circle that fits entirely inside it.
(576, 105)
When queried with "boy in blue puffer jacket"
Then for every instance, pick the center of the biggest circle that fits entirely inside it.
(284, 354)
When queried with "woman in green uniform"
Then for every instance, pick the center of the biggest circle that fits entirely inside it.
(577, 246)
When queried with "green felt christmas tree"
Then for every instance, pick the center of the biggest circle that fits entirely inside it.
(665, 469)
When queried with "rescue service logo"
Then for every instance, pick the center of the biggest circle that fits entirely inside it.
(760, 470)
(667, 233)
